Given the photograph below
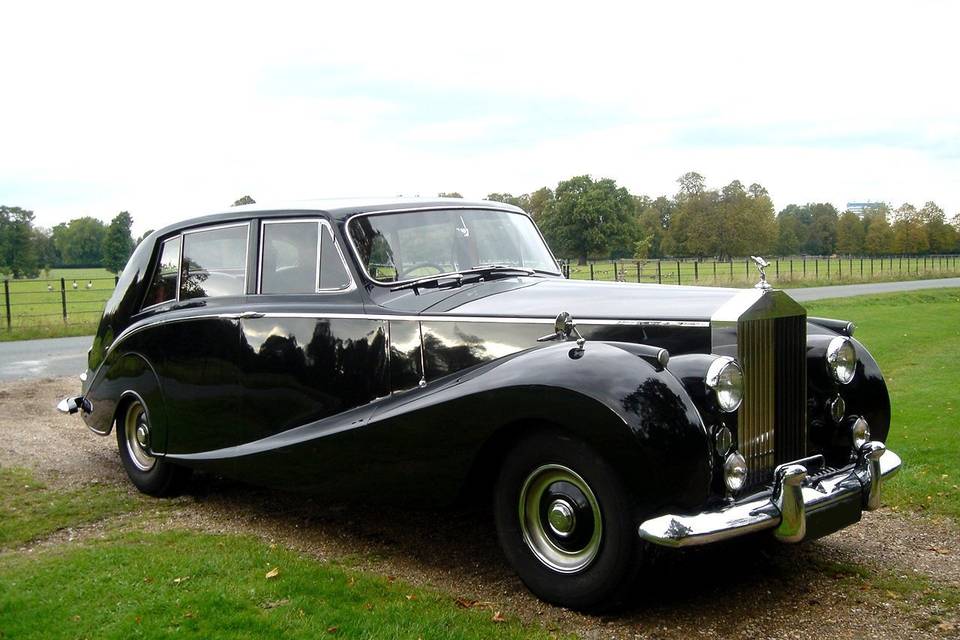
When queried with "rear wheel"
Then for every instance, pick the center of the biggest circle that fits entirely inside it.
(152, 475)
(565, 522)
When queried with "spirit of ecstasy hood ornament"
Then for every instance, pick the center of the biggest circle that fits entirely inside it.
(761, 265)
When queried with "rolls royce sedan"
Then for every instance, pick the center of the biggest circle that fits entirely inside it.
(431, 352)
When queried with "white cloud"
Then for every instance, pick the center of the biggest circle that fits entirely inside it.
(171, 110)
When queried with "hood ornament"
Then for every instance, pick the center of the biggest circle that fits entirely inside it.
(761, 265)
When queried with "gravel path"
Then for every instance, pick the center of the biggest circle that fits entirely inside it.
(748, 589)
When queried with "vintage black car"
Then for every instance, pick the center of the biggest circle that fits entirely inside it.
(431, 352)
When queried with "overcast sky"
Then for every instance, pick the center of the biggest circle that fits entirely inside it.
(180, 109)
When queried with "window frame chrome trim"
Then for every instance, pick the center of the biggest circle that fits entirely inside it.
(176, 294)
(363, 270)
(321, 223)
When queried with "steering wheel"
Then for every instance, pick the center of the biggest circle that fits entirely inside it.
(410, 273)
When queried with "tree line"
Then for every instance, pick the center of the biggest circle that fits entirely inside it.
(26, 250)
(584, 218)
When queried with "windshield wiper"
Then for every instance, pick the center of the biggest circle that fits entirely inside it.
(466, 275)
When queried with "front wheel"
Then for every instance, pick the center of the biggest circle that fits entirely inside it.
(565, 522)
(150, 474)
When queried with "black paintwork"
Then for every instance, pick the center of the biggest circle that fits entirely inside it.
(413, 394)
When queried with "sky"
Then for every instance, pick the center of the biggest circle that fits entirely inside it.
(170, 110)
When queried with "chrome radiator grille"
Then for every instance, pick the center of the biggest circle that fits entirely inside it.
(772, 420)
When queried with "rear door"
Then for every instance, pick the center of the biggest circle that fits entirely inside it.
(313, 354)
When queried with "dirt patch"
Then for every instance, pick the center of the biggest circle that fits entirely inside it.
(749, 588)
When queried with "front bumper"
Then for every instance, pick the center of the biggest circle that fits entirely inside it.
(800, 505)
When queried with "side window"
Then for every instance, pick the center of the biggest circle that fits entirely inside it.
(333, 273)
(289, 257)
(214, 262)
(164, 284)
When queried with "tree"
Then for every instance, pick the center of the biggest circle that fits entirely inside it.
(537, 202)
(941, 236)
(822, 233)
(80, 241)
(143, 236)
(909, 232)
(451, 194)
(850, 233)
(18, 254)
(47, 254)
(242, 201)
(878, 236)
(118, 243)
(653, 220)
(506, 198)
(590, 218)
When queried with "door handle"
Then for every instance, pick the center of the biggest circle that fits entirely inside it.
(250, 315)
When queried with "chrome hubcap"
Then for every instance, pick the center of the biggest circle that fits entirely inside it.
(136, 430)
(560, 518)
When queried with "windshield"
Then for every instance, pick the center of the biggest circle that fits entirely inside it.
(394, 247)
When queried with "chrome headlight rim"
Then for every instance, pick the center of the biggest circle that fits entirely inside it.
(717, 374)
(834, 352)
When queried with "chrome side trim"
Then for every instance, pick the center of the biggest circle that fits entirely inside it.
(795, 496)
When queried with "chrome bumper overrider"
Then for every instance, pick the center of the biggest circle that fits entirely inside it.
(795, 498)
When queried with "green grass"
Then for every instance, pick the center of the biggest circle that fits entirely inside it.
(29, 509)
(782, 272)
(915, 337)
(216, 586)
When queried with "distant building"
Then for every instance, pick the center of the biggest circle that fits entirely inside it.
(860, 208)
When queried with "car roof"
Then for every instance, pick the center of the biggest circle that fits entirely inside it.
(337, 209)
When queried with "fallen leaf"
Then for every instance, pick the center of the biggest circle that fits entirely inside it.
(498, 618)
(273, 573)
(181, 580)
(391, 578)
(410, 596)
(332, 629)
(189, 614)
(368, 606)
(465, 603)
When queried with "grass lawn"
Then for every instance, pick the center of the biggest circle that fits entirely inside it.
(134, 583)
(916, 339)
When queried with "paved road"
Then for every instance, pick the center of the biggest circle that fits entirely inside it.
(846, 290)
(68, 356)
(54, 357)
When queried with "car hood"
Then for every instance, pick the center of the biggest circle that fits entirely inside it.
(546, 297)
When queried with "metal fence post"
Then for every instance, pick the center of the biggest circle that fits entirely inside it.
(659, 274)
(714, 270)
(696, 271)
(861, 267)
(591, 271)
(678, 272)
(63, 298)
(6, 297)
(778, 267)
(804, 267)
(116, 279)
(816, 268)
(746, 268)
(638, 271)
(731, 269)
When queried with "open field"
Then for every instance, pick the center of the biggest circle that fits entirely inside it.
(37, 306)
(83, 555)
(782, 272)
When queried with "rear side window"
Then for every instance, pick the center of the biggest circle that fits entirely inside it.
(333, 272)
(289, 258)
(214, 263)
(164, 285)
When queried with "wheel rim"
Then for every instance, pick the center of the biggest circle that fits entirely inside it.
(136, 429)
(560, 518)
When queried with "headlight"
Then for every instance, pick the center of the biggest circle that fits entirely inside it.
(841, 359)
(861, 433)
(726, 379)
(734, 471)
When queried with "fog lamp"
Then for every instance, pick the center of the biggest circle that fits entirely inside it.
(838, 409)
(735, 471)
(861, 433)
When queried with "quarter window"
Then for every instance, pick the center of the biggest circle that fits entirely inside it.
(333, 272)
(214, 263)
(164, 285)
